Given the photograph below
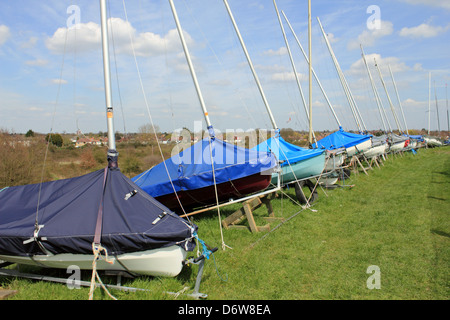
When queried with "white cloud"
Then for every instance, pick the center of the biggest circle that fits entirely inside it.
(287, 76)
(59, 81)
(433, 3)
(88, 37)
(30, 43)
(4, 34)
(279, 52)
(37, 62)
(35, 109)
(332, 38)
(423, 31)
(368, 37)
(413, 104)
(358, 68)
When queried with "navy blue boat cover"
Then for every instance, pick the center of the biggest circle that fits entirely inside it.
(284, 150)
(341, 139)
(191, 169)
(68, 211)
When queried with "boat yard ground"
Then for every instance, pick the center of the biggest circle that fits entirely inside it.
(387, 238)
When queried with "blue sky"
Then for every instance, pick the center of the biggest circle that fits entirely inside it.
(51, 75)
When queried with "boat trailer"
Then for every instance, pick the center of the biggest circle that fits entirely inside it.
(196, 294)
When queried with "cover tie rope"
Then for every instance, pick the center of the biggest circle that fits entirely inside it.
(97, 249)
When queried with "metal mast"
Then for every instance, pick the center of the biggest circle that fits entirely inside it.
(389, 99)
(377, 97)
(293, 67)
(310, 74)
(251, 66)
(107, 78)
(191, 69)
(313, 72)
(398, 98)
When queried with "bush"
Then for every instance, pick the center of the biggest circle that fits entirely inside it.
(30, 133)
(55, 139)
(130, 165)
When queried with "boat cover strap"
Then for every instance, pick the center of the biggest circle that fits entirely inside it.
(98, 227)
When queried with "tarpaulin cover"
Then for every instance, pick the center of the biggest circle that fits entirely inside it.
(416, 137)
(341, 139)
(191, 169)
(397, 138)
(287, 153)
(68, 211)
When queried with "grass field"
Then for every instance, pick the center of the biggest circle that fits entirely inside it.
(396, 218)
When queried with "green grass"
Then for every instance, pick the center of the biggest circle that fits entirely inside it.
(396, 218)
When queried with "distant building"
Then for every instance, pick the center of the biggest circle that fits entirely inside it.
(93, 141)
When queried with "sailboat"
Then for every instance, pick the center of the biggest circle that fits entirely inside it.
(72, 221)
(210, 171)
(296, 163)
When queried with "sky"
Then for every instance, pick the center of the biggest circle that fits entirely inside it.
(51, 72)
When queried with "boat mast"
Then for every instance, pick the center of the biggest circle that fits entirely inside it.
(191, 68)
(251, 66)
(429, 101)
(342, 79)
(398, 98)
(389, 99)
(437, 109)
(377, 97)
(313, 72)
(446, 98)
(310, 73)
(293, 66)
(107, 79)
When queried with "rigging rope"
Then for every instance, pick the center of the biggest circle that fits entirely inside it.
(217, 197)
(148, 109)
(117, 73)
(50, 133)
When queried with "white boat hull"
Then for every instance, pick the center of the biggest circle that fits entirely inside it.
(375, 151)
(432, 142)
(361, 147)
(165, 262)
(334, 161)
(397, 146)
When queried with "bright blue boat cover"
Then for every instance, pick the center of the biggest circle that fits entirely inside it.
(68, 211)
(417, 137)
(287, 153)
(341, 139)
(191, 169)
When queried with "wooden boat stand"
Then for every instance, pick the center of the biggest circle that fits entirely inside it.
(200, 261)
(246, 212)
(354, 162)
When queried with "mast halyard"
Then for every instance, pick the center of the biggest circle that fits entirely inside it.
(107, 79)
